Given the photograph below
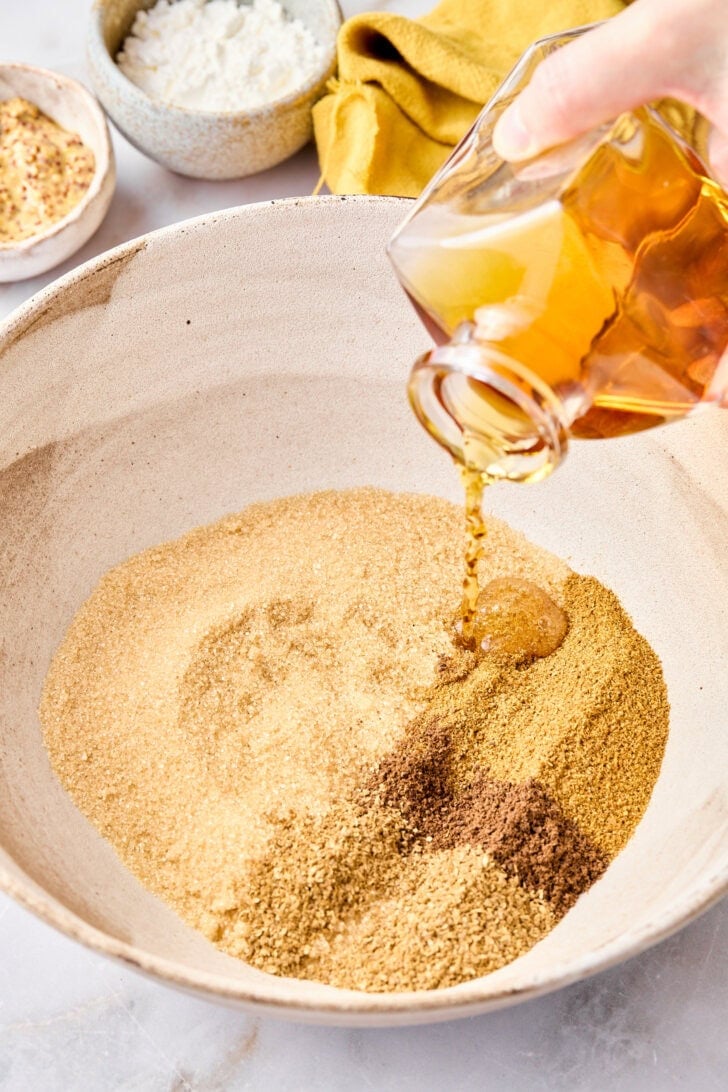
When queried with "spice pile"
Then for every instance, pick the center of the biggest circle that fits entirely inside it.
(44, 170)
(270, 722)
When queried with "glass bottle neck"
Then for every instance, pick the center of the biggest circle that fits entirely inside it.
(487, 410)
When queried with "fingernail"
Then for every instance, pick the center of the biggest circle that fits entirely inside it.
(511, 138)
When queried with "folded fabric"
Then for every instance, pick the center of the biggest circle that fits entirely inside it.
(408, 90)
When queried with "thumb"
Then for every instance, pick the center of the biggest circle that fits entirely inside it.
(613, 68)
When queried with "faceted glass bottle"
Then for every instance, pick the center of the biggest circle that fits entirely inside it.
(582, 293)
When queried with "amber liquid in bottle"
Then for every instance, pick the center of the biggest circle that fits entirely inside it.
(615, 293)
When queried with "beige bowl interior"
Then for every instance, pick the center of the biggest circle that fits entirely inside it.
(261, 352)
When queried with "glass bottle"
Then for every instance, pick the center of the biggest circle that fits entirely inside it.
(583, 293)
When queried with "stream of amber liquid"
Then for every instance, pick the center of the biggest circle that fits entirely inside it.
(474, 482)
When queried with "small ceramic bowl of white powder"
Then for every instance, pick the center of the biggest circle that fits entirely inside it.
(213, 88)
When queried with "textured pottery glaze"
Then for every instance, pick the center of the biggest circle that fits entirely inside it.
(260, 352)
(70, 105)
(230, 144)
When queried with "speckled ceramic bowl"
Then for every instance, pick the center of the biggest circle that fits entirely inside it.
(203, 144)
(264, 351)
(70, 105)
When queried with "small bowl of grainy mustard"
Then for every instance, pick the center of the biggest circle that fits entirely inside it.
(57, 171)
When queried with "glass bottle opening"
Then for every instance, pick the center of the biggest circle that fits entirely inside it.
(487, 410)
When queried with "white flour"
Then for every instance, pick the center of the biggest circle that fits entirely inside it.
(219, 55)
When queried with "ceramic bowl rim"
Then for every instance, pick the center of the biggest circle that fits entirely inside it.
(127, 89)
(420, 1006)
(102, 166)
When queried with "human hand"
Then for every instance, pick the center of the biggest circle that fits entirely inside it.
(654, 49)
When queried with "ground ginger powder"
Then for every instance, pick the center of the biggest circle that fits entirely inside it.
(269, 721)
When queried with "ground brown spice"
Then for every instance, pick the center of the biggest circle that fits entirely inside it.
(249, 715)
(589, 722)
(519, 825)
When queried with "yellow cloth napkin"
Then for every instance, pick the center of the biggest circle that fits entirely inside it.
(408, 90)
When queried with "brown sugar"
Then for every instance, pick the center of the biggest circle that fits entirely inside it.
(270, 723)
(452, 916)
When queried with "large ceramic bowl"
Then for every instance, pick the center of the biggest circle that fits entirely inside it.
(261, 352)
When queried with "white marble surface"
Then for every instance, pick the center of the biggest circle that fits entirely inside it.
(70, 1020)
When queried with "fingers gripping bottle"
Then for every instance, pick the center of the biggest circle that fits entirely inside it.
(582, 293)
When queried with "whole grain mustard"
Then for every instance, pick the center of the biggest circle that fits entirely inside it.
(44, 170)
